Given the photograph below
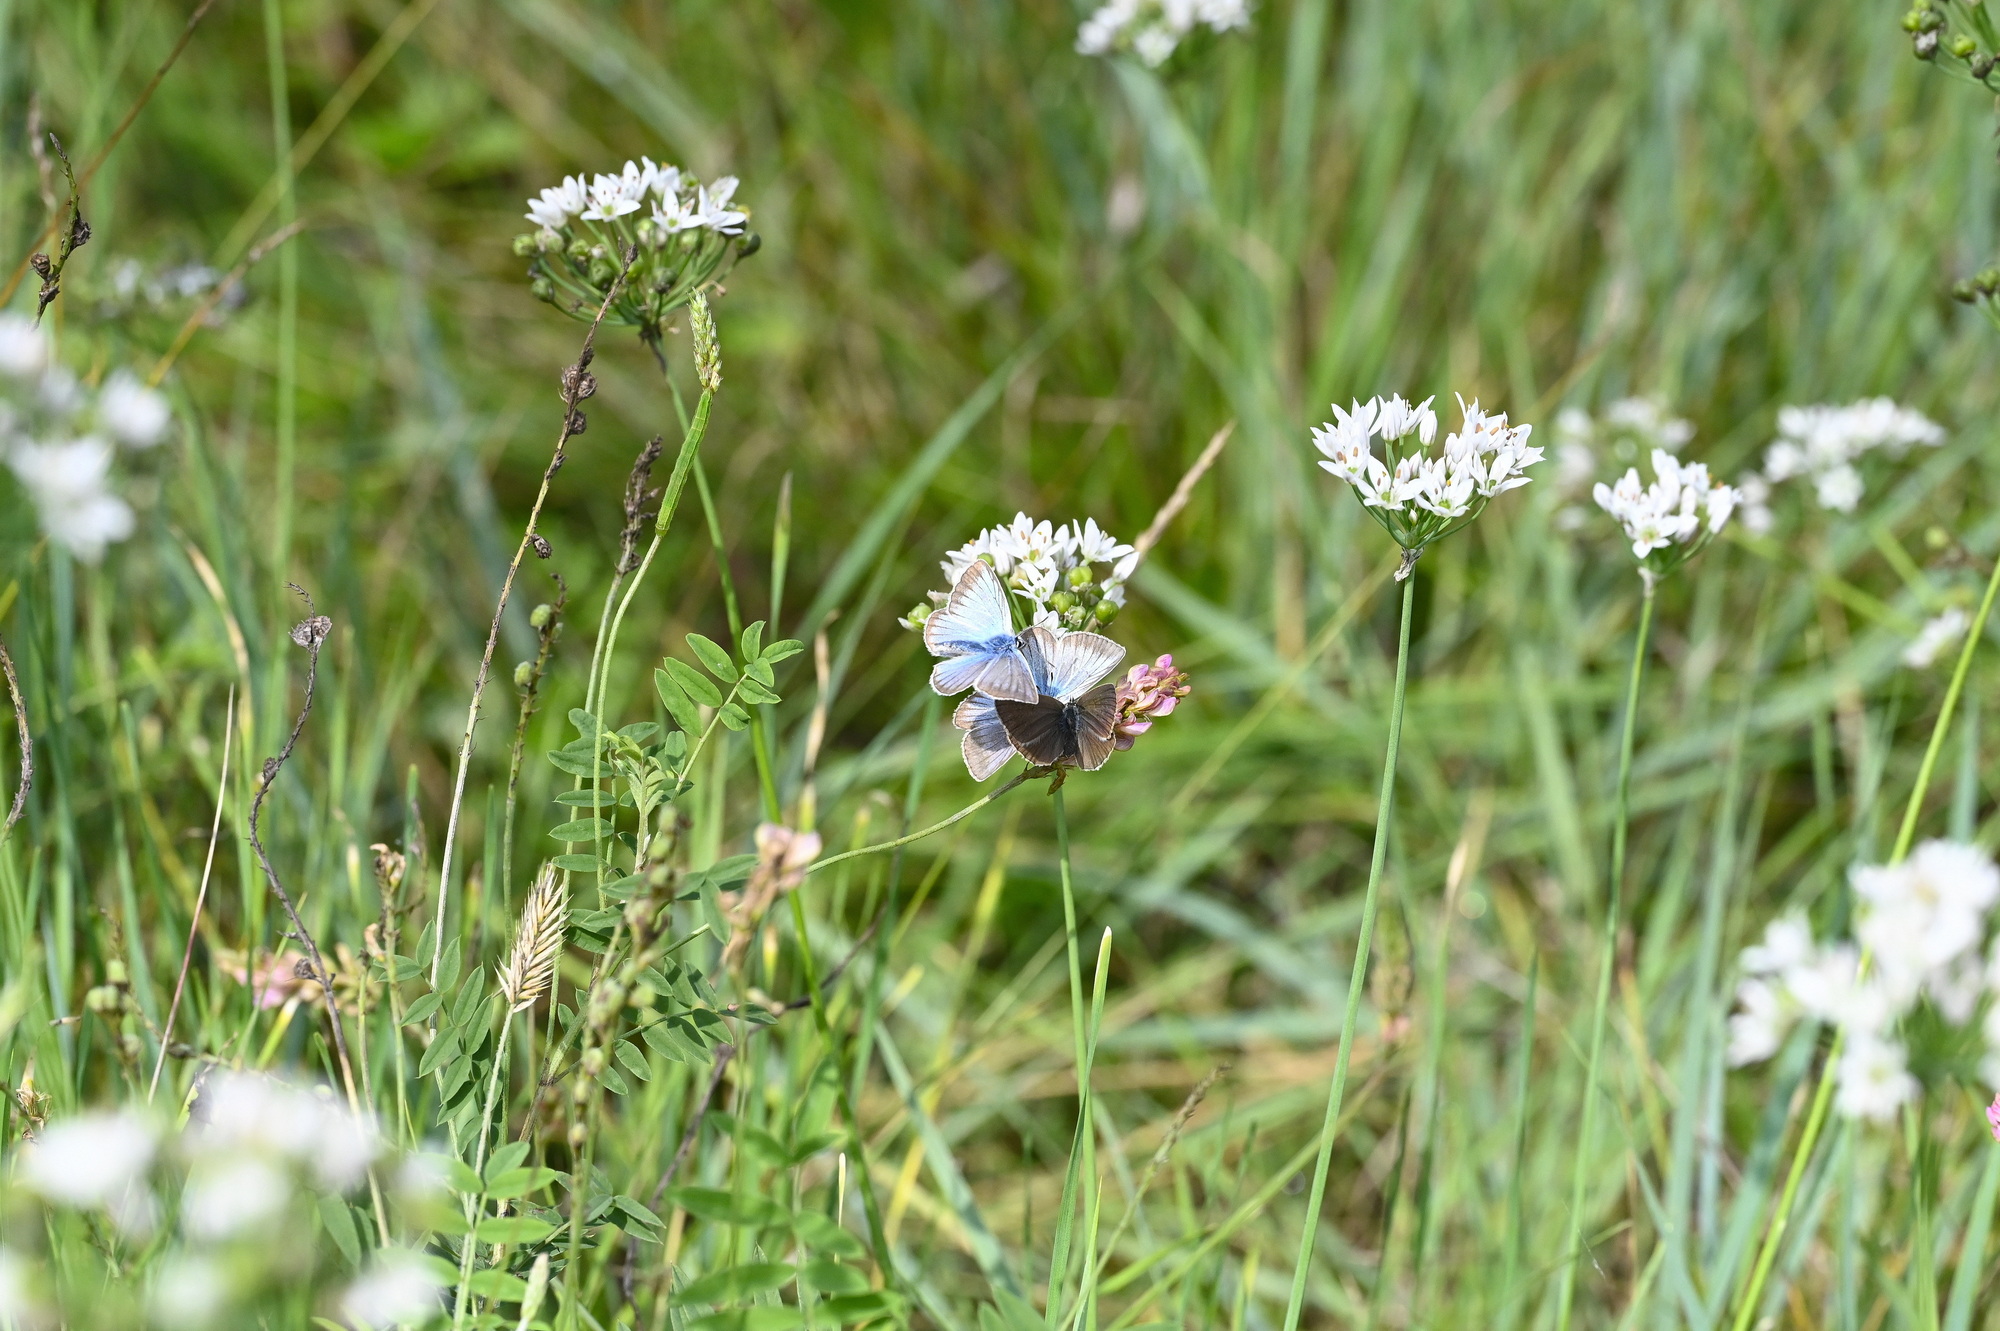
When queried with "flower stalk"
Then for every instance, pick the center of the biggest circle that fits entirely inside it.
(1358, 976)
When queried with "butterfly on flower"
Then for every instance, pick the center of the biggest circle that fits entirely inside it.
(974, 632)
(1072, 721)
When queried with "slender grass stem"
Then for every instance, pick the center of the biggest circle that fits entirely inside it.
(932, 830)
(1606, 962)
(1065, 1217)
(1359, 974)
(476, 1204)
(1774, 1233)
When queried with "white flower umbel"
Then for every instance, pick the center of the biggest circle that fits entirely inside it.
(399, 1289)
(1921, 931)
(24, 347)
(687, 234)
(1416, 497)
(1669, 521)
(1070, 577)
(1938, 633)
(130, 412)
(1152, 29)
(1824, 444)
(244, 1114)
(70, 485)
(98, 1160)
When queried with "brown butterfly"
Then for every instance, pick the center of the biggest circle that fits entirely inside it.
(1069, 724)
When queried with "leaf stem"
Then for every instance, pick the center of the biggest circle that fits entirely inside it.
(1607, 958)
(933, 829)
(1359, 974)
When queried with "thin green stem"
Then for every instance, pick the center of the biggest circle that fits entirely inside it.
(476, 1204)
(1774, 1234)
(932, 830)
(1059, 1253)
(1359, 974)
(1607, 957)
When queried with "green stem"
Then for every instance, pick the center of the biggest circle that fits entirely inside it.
(476, 1205)
(1059, 1254)
(1608, 952)
(1359, 974)
(1774, 1234)
(932, 830)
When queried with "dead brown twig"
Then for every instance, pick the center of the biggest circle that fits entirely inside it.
(27, 743)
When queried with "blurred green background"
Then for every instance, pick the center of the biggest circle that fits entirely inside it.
(997, 275)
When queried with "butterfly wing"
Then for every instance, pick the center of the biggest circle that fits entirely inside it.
(974, 631)
(1066, 666)
(1040, 731)
(985, 745)
(1093, 718)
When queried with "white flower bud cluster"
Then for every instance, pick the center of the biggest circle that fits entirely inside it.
(1939, 632)
(1051, 568)
(1823, 444)
(1919, 943)
(678, 202)
(1671, 519)
(1151, 29)
(59, 437)
(1417, 497)
(250, 1170)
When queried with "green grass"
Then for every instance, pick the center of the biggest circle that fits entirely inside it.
(1559, 202)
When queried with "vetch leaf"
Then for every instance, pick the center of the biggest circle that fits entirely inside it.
(752, 641)
(583, 829)
(514, 1229)
(737, 1282)
(679, 706)
(587, 799)
(782, 650)
(713, 657)
(420, 1011)
(696, 685)
(734, 717)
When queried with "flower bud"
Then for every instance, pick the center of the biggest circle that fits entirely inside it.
(524, 674)
(524, 246)
(1963, 46)
(919, 612)
(541, 615)
(593, 1061)
(1079, 577)
(102, 999)
(542, 289)
(1105, 612)
(1926, 46)
(644, 996)
(1062, 601)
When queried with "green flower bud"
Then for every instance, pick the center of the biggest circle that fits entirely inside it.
(1987, 280)
(989, 559)
(542, 289)
(1062, 602)
(749, 244)
(593, 1061)
(524, 246)
(1079, 576)
(1913, 21)
(1962, 46)
(919, 612)
(524, 674)
(644, 996)
(541, 615)
(579, 251)
(1964, 291)
(115, 972)
(1105, 612)
(602, 272)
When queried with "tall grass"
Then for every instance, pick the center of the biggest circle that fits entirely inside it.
(1549, 203)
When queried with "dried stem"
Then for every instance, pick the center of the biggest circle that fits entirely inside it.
(310, 633)
(27, 743)
(577, 384)
(201, 896)
(1182, 493)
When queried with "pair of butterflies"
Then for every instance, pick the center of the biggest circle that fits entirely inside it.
(1037, 693)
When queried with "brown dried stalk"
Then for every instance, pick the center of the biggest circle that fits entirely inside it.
(27, 743)
(309, 633)
(577, 384)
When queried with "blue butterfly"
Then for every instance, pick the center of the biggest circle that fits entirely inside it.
(1071, 720)
(974, 631)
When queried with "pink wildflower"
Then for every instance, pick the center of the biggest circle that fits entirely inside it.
(1993, 1117)
(1147, 693)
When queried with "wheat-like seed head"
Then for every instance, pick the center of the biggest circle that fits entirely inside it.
(539, 942)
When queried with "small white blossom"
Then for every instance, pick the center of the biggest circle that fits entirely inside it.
(1152, 29)
(399, 1288)
(97, 1159)
(70, 485)
(1873, 1079)
(134, 414)
(1754, 498)
(1054, 569)
(1422, 498)
(189, 1290)
(1764, 1013)
(24, 347)
(227, 1196)
(1938, 633)
(245, 1113)
(1787, 944)
(1824, 444)
(1668, 521)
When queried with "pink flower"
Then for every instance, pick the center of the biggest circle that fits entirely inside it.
(1993, 1117)
(1147, 693)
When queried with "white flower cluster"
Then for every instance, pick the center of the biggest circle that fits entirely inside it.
(1824, 443)
(58, 437)
(1626, 430)
(1416, 497)
(678, 202)
(1939, 632)
(683, 237)
(1671, 519)
(1049, 567)
(1918, 934)
(250, 1168)
(1151, 29)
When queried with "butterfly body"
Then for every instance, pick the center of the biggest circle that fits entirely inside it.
(1068, 723)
